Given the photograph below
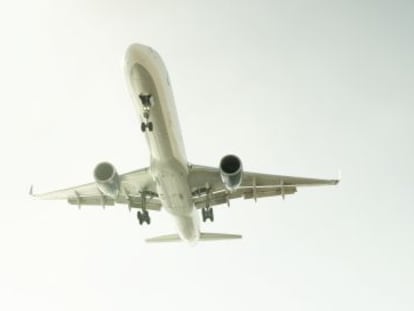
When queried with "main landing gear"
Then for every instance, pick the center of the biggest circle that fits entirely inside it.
(147, 101)
(143, 217)
(207, 213)
(142, 214)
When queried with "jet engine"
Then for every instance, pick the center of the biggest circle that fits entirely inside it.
(107, 179)
(231, 171)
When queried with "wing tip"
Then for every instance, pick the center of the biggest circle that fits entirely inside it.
(338, 179)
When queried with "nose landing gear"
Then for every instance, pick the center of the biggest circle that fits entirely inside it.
(147, 101)
(147, 125)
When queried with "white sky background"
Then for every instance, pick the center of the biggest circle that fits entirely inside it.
(294, 87)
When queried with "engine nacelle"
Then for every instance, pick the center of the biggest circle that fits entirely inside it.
(107, 179)
(231, 171)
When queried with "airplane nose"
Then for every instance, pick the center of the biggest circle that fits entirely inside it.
(138, 53)
(133, 53)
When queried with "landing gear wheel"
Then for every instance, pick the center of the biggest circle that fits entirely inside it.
(143, 217)
(145, 126)
(211, 215)
(146, 100)
(139, 216)
(207, 213)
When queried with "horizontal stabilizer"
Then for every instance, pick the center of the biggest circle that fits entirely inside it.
(218, 236)
(164, 238)
(203, 237)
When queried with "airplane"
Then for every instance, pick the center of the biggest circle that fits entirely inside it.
(170, 182)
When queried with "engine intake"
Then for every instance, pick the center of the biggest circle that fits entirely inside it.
(231, 171)
(107, 179)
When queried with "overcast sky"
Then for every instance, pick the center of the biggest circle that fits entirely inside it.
(292, 87)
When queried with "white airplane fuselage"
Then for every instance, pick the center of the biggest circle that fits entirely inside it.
(146, 74)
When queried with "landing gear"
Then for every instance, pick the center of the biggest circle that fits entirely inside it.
(143, 217)
(207, 213)
(147, 101)
(142, 214)
(147, 125)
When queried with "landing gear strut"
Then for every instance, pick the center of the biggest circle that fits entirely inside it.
(143, 217)
(207, 213)
(147, 101)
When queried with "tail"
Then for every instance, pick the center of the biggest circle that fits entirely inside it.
(203, 237)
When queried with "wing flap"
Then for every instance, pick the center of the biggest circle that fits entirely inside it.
(94, 200)
(269, 192)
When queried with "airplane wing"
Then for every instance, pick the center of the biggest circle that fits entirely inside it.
(208, 189)
(132, 186)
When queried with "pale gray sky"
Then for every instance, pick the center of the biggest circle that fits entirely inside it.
(292, 87)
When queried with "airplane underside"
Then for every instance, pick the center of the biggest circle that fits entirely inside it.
(170, 182)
